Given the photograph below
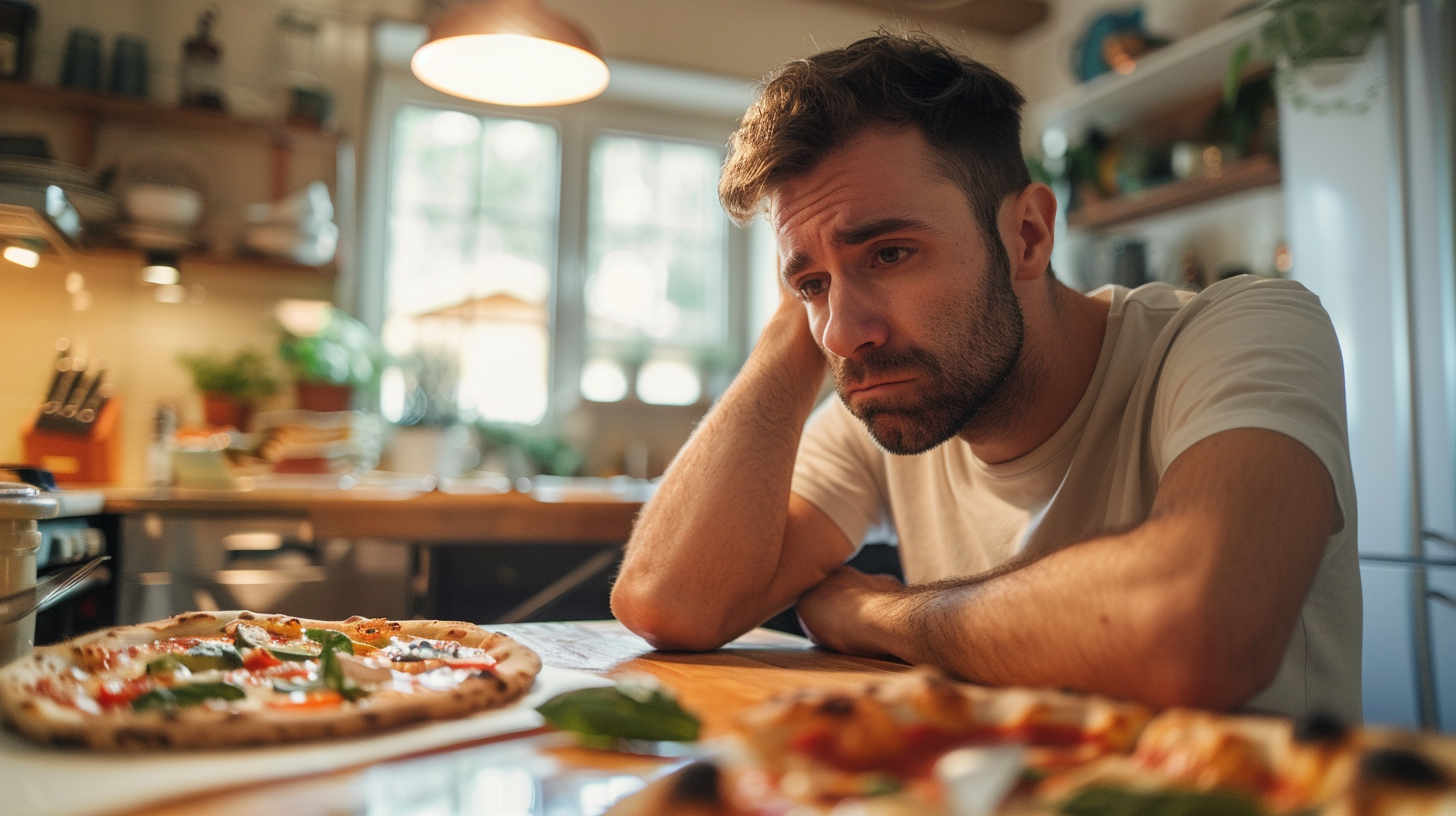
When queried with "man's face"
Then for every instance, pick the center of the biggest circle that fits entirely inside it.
(914, 310)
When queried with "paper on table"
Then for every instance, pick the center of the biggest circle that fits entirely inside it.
(67, 782)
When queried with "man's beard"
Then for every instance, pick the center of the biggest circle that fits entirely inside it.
(965, 375)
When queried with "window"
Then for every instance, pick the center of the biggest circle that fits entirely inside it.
(472, 223)
(520, 261)
(657, 268)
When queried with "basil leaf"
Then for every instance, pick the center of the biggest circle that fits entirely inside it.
(189, 694)
(331, 672)
(330, 640)
(1108, 801)
(614, 713)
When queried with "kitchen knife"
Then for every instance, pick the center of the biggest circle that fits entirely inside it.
(58, 384)
(67, 384)
(83, 391)
(93, 404)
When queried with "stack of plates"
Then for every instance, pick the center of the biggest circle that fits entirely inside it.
(82, 186)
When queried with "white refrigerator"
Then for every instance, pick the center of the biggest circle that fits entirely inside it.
(1368, 182)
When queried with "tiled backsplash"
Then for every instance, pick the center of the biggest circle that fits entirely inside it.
(229, 306)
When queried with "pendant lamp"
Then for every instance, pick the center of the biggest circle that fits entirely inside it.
(509, 52)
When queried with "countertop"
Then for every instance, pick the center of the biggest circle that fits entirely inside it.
(579, 516)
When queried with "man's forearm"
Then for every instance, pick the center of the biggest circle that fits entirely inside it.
(703, 564)
(1194, 606)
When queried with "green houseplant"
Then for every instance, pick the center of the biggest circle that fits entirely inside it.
(1302, 36)
(230, 385)
(329, 358)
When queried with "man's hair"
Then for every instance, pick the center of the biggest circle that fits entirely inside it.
(969, 114)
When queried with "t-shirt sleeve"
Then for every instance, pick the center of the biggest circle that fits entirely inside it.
(839, 470)
(1265, 356)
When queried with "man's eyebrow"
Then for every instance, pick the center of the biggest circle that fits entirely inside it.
(853, 236)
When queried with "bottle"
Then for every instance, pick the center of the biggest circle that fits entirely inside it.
(159, 449)
(202, 67)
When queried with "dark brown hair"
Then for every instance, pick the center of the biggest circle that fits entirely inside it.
(969, 114)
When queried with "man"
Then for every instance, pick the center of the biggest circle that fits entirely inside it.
(1141, 493)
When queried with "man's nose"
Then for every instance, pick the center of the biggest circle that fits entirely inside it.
(852, 323)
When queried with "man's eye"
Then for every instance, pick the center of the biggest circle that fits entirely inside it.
(811, 288)
(893, 254)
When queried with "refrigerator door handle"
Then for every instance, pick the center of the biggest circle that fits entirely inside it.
(1435, 537)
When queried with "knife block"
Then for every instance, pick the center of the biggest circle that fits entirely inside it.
(93, 457)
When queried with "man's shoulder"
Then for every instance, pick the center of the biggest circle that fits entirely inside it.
(1162, 297)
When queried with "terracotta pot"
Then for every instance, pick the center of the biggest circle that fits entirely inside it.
(324, 397)
(224, 411)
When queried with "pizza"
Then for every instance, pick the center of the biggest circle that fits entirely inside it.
(915, 744)
(212, 679)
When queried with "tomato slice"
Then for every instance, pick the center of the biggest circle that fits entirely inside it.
(115, 693)
(473, 663)
(260, 659)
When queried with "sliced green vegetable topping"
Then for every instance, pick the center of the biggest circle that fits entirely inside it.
(250, 636)
(625, 711)
(1106, 801)
(188, 694)
(166, 664)
(293, 653)
(211, 655)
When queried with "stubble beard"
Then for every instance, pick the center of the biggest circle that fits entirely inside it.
(969, 373)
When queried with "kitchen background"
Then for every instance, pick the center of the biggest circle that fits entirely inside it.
(608, 384)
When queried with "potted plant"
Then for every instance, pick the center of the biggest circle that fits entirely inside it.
(1315, 45)
(329, 356)
(231, 385)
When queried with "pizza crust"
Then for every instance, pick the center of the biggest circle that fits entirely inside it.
(207, 726)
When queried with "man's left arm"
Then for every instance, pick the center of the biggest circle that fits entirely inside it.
(1194, 606)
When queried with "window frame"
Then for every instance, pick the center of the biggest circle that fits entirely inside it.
(625, 113)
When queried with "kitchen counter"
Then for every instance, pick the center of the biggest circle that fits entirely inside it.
(414, 516)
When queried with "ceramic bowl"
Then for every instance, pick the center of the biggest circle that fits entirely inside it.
(163, 204)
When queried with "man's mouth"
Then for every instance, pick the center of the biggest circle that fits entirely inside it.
(879, 388)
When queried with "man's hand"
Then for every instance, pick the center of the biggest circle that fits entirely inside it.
(845, 611)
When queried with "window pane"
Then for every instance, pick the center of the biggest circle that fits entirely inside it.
(471, 261)
(656, 248)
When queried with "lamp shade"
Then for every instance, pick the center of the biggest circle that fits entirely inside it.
(509, 52)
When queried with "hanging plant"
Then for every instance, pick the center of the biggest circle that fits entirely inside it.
(1312, 43)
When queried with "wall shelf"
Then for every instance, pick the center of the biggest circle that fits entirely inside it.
(88, 109)
(213, 260)
(1112, 101)
(1246, 174)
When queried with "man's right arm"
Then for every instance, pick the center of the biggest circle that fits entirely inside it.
(724, 544)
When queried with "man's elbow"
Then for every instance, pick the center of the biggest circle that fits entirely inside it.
(652, 618)
(1201, 667)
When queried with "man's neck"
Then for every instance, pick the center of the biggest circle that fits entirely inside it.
(1064, 330)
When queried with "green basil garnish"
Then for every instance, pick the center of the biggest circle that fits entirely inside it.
(169, 698)
(624, 711)
(1109, 801)
(330, 640)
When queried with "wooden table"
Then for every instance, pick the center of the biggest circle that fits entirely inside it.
(714, 685)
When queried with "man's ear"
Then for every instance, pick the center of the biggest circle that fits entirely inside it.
(1028, 224)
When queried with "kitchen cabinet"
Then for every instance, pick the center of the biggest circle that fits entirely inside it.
(242, 161)
(1230, 216)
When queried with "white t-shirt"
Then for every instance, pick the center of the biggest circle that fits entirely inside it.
(1175, 367)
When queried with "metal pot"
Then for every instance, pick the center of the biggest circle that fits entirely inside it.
(20, 506)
